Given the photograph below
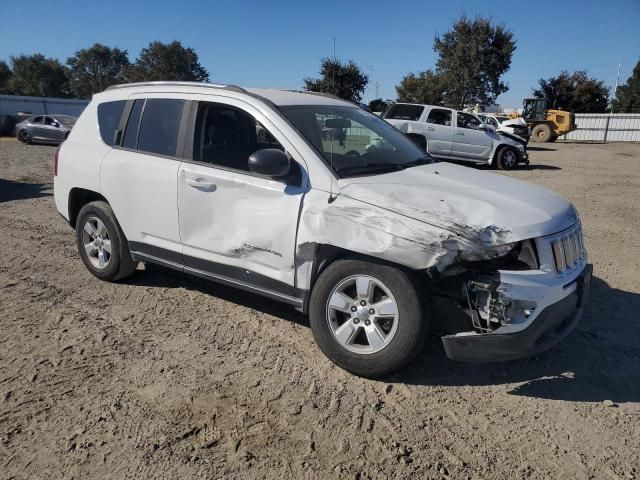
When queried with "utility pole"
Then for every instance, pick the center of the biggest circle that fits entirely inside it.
(370, 68)
(615, 90)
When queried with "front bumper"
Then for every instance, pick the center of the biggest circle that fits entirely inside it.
(550, 327)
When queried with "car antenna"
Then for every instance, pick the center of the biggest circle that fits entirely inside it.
(333, 88)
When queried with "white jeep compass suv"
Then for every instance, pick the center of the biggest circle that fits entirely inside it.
(312, 201)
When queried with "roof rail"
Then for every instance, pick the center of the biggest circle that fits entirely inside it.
(320, 94)
(233, 88)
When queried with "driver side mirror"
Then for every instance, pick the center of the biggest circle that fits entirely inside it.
(270, 162)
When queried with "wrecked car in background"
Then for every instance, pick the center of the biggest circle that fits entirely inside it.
(515, 128)
(449, 134)
(312, 201)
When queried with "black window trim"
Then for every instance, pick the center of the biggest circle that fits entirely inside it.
(124, 119)
(186, 133)
(188, 147)
(439, 109)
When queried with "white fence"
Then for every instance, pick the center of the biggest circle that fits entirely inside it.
(602, 127)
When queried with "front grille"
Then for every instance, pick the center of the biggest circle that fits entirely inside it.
(568, 250)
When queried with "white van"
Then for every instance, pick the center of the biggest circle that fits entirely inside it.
(312, 201)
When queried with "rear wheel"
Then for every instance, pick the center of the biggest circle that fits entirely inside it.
(541, 133)
(366, 317)
(101, 243)
(507, 158)
(25, 137)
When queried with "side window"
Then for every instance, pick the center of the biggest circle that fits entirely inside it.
(48, 121)
(159, 126)
(468, 121)
(130, 139)
(402, 111)
(439, 117)
(37, 120)
(109, 114)
(227, 136)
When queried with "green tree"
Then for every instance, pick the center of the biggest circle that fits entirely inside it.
(5, 76)
(473, 56)
(628, 95)
(425, 87)
(378, 105)
(344, 80)
(38, 76)
(94, 69)
(167, 61)
(575, 92)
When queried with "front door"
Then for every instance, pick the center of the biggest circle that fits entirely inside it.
(234, 224)
(439, 131)
(469, 141)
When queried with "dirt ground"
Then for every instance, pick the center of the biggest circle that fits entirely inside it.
(167, 376)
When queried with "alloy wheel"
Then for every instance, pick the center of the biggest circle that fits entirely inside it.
(96, 241)
(509, 159)
(362, 314)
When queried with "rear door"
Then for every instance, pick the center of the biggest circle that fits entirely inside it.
(470, 142)
(439, 131)
(139, 174)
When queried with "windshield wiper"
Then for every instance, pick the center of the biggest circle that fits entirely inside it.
(382, 167)
(374, 167)
(426, 160)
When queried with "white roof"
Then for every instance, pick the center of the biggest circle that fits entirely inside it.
(276, 96)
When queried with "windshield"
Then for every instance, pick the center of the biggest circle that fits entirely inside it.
(66, 119)
(354, 141)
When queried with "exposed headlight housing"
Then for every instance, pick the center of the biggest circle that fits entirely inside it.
(510, 256)
(490, 253)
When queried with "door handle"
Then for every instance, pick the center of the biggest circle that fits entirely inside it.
(201, 184)
(460, 133)
(431, 129)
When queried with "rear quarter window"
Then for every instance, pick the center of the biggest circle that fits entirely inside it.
(404, 112)
(109, 114)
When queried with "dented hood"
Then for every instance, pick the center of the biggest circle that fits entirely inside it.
(463, 200)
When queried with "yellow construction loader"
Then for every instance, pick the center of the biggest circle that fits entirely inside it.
(546, 124)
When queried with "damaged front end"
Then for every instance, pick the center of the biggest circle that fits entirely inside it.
(504, 308)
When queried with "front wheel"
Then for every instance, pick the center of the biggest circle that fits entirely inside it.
(367, 317)
(507, 158)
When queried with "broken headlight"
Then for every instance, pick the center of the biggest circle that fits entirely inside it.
(490, 253)
(510, 256)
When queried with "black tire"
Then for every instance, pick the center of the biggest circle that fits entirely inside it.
(541, 133)
(411, 326)
(25, 137)
(66, 135)
(553, 138)
(120, 263)
(505, 158)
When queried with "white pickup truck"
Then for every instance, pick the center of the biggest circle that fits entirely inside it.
(449, 134)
